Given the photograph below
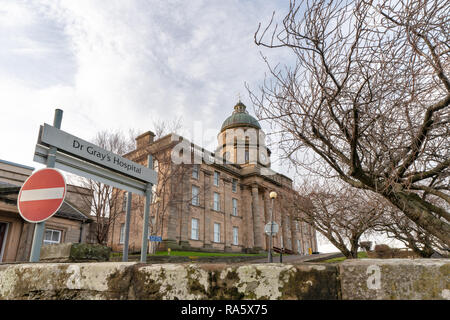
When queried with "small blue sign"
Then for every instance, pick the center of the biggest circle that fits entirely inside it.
(155, 238)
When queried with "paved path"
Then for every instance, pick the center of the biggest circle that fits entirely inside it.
(295, 258)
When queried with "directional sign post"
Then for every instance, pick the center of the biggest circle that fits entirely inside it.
(155, 238)
(92, 154)
(59, 149)
(127, 228)
(271, 229)
(40, 226)
(147, 202)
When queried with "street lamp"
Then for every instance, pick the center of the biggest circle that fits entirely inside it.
(272, 195)
(282, 245)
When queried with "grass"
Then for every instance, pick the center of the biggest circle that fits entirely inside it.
(361, 255)
(199, 254)
(207, 254)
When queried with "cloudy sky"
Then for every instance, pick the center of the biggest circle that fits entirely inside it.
(124, 64)
(114, 64)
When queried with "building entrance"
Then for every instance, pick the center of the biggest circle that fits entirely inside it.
(3, 230)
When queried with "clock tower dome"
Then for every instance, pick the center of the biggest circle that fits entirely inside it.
(241, 139)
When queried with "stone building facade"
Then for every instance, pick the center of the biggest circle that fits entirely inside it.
(215, 201)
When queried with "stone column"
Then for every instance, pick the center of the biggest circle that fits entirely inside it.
(266, 218)
(227, 209)
(257, 221)
(294, 234)
(246, 209)
(302, 238)
(313, 238)
(316, 247)
(286, 226)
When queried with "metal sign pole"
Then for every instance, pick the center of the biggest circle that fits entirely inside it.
(40, 227)
(271, 233)
(127, 228)
(57, 148)
(148, 200)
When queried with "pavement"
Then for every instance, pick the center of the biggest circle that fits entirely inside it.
(296, 258)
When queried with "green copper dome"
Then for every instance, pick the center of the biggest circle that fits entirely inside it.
(240, 118)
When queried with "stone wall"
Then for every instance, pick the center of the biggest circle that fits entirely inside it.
(364, 279)
(404, 279)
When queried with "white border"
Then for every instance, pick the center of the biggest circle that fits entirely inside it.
(62, 200)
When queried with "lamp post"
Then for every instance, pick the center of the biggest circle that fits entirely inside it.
(272, 196)
(282, 246)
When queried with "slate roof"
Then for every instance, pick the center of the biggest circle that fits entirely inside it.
(69, 212)
(16, 164)
(8, 187)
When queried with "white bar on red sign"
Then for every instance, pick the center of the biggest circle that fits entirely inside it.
(42, 194)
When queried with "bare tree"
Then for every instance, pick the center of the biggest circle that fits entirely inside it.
(167, 193)
(164, 127)
(366, 99)
(105, 202)
(171, 190)
(397, 226)
(342, 214)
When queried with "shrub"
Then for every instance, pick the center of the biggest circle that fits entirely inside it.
(366, 245)
(383, 251)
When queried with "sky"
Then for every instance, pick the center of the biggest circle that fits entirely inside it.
(125, 64)
(120, 65)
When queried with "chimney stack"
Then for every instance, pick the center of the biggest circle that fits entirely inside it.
(144, 139)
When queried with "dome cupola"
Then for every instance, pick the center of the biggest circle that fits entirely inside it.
(240, 118)
(241, 139)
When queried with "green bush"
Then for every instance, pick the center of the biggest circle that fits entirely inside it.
(383, 251)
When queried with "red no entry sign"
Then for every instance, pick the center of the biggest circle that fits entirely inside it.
(41, 195)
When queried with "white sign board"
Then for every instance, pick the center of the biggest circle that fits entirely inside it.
(91, 171)
(275, 228)
(90, 152)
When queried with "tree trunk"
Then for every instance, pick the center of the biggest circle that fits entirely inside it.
(354, 247)
(152, 248)
(423, 217)
(426, 252)
(342, 248)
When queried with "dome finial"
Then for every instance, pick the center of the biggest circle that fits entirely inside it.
(240, 107)
(240, 118)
